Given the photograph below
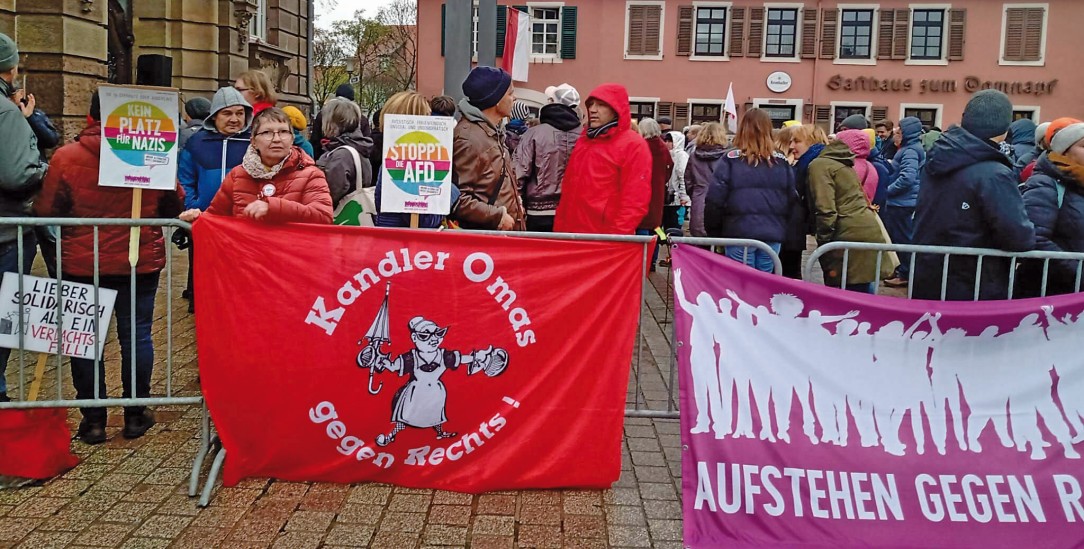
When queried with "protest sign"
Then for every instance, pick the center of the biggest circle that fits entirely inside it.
(139, 130)
(816, 417)
(417, 167)
(38, 306)
(419, 358)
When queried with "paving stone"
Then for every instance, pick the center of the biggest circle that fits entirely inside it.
(629, 536)
(199, 538)
(496, 505)
(452, 498)
(658, 491)
(352, 535)
(402, 522)
(656, 509)
(104, 535)
(287, 490)
(493, 525)
(491, 542)
(220, 517)
(395, 540)
(163, 526)
(583, 505)
(538, 535)
(643, 444)
(444, 534)
(310, 521)
(409, 503)
(47, 540)
(625, 515)
(234, 497)
(453, 515)
(15, 529)
(540, 514)
(64, 488)
(261, 530)
(648, 458)
(298, 540)
(150, 493)
(582, 526)
(369, 493)
(652, 474)
(38, 507)
(360, 514)
(665, 530)
(584, 543)
(146, 543)
(128, 512)
(178, 505)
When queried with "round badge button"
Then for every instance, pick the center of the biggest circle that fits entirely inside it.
(269, 190)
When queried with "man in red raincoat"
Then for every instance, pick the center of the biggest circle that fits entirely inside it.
(607, 184)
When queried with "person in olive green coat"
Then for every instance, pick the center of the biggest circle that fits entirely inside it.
(842, 213)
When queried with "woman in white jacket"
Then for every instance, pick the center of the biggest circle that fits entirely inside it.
(677, 201)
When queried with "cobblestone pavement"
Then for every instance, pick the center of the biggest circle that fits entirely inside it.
(133, 494)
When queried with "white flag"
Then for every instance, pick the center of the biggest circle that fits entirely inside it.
(517, 45)
(731, 110)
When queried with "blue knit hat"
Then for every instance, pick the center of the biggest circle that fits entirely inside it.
(485, 86)
(988, 114)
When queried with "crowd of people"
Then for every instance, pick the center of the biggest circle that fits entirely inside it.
(576, 165)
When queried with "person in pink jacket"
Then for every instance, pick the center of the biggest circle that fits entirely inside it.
(858, 142)
(607, 184)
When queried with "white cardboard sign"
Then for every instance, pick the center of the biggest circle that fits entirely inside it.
(38, 306)
(417, 167)
(139, 137)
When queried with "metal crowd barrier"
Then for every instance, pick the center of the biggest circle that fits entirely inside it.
(170, 398)
(946, 252)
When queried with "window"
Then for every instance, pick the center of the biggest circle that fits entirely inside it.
(642, 109)
(545, 31)
(710, 32)
(779, 113)
(702, 114)
(843, 111)
(1023, 41)
(855, 36)
(258, 27)
(928, 116)
(1031, 113)
(927, 30)
(782, 28)
(643, 31)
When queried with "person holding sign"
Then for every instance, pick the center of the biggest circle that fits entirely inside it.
(21, 173)
(482, 166)
(71, 189)
(276, 182)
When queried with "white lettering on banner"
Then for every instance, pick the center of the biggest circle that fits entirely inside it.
(469, 443)
(478, 267)
(831, 494)
(939, 497)
(348, 445)
(1069, 493)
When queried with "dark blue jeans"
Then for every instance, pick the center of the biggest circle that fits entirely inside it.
(9, 263)
(83, 369)
(900, 223)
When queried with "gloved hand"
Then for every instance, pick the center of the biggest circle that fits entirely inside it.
(182, 239)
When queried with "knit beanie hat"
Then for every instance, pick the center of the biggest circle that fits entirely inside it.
(485, 86)
(9, 54)
(1040, 135)
(198, 108)
(564, 94)
(988, 114)
(791, 123)
(1067, 137)
(345, 91)
(520, 111)
(297, 118)
(1056, 126)
(872, 134)
(855, 122)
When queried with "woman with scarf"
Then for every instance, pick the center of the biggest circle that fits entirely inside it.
(806, 142)
(276, 182)
(1054, 198)
(710, 145)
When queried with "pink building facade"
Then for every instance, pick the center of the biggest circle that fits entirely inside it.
(812, 61)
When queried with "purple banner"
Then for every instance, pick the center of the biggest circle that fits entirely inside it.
(816, 417)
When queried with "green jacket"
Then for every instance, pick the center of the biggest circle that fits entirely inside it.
(21, 167)
(842, 213)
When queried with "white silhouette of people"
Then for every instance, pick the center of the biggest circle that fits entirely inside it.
(1069, 367)
(706, 324)
(986, 386)
(854, 347)
(950, 349)
(901, 388)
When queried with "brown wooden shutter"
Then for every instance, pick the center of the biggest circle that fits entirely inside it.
(809, 33)
(957, 24)
(681, 115)
(884, 34)
(879, 114)
(829, 19)
(686, 16)
(1014, 34)
(737, 32)
(636, 30)
(1033, 34)
(756, 32)
(822, 116)
(652, 30)
(901, 27)
(664, 108)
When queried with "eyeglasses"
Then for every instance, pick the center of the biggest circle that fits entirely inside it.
(424, 336)
(270, 135)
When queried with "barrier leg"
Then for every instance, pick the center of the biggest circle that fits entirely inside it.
(212, 478)
(205, 447)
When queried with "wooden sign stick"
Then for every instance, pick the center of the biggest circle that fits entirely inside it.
(413, 221)
(133, 239)
(39, 373)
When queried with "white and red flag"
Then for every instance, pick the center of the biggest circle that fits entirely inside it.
(517, 45)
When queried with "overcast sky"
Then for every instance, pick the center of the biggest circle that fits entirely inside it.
(346, 8)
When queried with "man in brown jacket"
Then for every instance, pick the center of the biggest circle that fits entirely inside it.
(483, 168)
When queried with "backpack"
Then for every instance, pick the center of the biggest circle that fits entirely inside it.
(359, 207)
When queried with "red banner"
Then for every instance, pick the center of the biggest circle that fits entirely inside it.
(420, 358)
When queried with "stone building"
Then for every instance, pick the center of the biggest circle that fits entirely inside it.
(70, 46)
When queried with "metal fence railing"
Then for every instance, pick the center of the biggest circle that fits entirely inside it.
(947, 253)
(168, 394)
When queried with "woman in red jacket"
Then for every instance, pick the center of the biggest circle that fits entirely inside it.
(71, 190)
(662, 169)
(276, 182)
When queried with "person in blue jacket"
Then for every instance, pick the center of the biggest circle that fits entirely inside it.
(899, 211)
(969, 197)
(211, 153)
